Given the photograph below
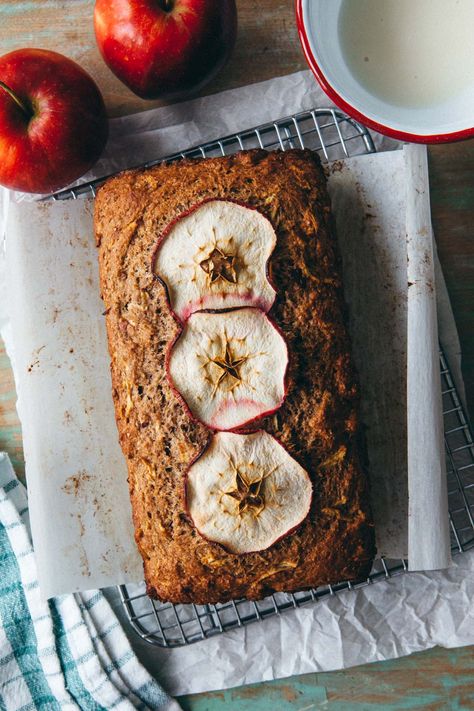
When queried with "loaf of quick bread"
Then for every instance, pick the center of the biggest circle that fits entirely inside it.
(235, 393)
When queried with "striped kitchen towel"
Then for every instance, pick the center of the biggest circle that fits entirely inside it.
(69, 652)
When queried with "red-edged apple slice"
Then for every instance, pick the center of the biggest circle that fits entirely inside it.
(246, 492)
(229, 367)
(215, 257)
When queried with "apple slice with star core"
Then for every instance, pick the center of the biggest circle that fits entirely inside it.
(246, 492)
(215, 257)
(229, 367)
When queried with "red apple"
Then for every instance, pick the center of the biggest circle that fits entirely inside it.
(53, 124)
(165, 48)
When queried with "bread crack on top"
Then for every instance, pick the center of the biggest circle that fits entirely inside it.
(187, 500)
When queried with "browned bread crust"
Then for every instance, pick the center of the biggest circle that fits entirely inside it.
(318, 423)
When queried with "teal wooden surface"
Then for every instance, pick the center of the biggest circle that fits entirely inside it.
(10, 430)
(267, 45)
(452, 206)
(436, 680)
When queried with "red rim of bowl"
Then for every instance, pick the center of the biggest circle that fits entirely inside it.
(355, 113)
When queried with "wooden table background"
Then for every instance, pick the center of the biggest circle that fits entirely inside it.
(267, 46)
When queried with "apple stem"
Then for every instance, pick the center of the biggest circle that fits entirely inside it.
(24, 106)
(167, 5)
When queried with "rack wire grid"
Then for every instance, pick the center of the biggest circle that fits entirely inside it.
(334, 136)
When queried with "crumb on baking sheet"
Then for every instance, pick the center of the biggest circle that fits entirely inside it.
(73, 484)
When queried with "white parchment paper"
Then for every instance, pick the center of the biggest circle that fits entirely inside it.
(425, 426)
(382, 208)
(391, 619)
(77, 476)
(378, 622)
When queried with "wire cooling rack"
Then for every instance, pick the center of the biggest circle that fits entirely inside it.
(334, 136)
(328, 131)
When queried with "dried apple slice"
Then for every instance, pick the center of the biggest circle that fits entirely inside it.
(215, 257)
(246, 492)
(229, 367)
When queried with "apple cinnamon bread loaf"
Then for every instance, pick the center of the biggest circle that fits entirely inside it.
(235, 393)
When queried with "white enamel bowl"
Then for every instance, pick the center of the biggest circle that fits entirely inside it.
(452, 120)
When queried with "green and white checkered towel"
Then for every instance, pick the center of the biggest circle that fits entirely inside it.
(69, 652)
